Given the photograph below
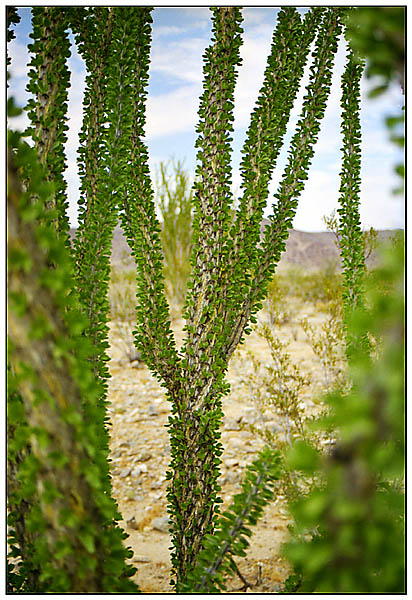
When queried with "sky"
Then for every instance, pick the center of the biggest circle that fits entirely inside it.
(180, 37)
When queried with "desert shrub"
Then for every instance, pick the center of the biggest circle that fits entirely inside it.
(122, 295)
(122, 301)
(327, 342)
(122, 338)
(279, 389)
(369, 236)
(173, 197)
(312, 292)
(321, 287)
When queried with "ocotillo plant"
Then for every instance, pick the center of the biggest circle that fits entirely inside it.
(94, 239)
(350, 232)
(230, 272)
(77, 547)
(95, 33)
(49, 82)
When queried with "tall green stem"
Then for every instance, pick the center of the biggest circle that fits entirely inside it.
(350, 232)
(98, 213)
(194, 431)
(49, 82)
(153, 333)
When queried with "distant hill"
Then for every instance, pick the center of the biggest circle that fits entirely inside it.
(306, 249)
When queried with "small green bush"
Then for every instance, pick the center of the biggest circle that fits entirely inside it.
(322, 287)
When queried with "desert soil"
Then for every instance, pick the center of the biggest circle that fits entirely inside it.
(140, 454)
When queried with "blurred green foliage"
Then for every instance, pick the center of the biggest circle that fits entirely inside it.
(62, 520)
(377, 33)
(349, 532)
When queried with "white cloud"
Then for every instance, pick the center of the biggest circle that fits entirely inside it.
(201, 15)
(20, 57)
(254, 53)
(380, 208)
(254, 17)
(181, 59)
(173, 113)
(19, 123)
(166, 30)
(319, 198)
(375, 143)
